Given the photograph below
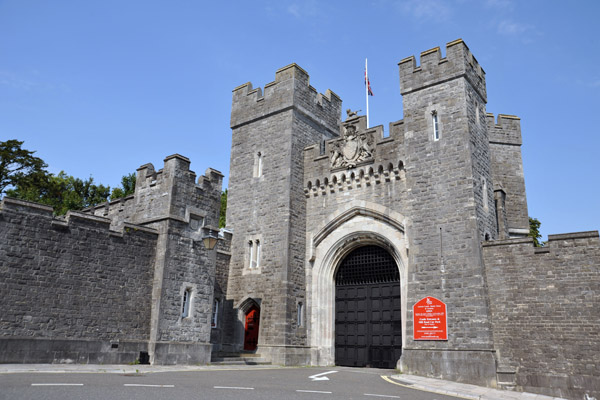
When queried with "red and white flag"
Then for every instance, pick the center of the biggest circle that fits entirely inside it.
(369, 91)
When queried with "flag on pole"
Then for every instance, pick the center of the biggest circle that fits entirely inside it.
(369, 91)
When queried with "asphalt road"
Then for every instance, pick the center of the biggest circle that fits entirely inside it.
(276, 383)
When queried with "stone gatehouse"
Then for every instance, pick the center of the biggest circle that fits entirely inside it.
(341, 241)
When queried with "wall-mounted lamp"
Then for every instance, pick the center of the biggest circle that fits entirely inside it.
(210, 236)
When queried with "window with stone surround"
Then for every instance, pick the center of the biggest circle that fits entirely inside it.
(258, 165)
(254, 249)
(435, 125)
(186, 303)
(300, 314)
(214, 321)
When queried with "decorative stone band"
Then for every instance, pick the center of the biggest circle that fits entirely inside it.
(355, 178)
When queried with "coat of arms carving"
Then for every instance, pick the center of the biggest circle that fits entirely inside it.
(353, 149)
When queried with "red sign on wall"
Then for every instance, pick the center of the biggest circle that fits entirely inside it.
(429, 320)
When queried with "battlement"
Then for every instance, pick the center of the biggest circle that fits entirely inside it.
(290, 89)
(73, 219)
(433, 69)
(179, 165)
(506, 131)
(158, 194)
(386, 165)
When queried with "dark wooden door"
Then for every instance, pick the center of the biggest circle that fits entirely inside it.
(368, 329)
(251, 328)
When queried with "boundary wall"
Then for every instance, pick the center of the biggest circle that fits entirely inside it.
(545, 315)
(72, 289)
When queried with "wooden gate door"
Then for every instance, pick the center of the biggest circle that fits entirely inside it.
(251, 328)
(368, 329)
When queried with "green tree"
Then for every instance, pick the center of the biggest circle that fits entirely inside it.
(223, 211)
(18, 165)
(62, 192)
(127, 187)
(534, 231)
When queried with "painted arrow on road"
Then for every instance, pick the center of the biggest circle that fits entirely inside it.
(320, 377)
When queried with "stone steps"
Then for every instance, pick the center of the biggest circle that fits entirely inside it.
(238, 359)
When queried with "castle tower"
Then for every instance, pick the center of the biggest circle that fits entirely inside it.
(450, 202)
(266, 211)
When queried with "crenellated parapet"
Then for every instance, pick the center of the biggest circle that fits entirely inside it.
(435, 69)
(359, 157)
(170, 192)
(290, 90)
(72, 220)
(507, 130)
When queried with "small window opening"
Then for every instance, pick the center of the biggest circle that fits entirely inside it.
(187, 299)
(300, 316)
(257, 254)
(250, 253)
(436, 125)
(254, 253)
(215, 314)
(484, 194)
(258, 165)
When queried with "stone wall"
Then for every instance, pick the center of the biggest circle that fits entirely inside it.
(72, 290)
(448, 210)
(225, 320)
(268, 208)
(545, 314)
(507, 170)
(179, 207)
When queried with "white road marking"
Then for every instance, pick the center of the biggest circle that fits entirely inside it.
(141, 385)
(320, 377)
(312, 391)
(233, 387)
(57, 384)
(381, 395)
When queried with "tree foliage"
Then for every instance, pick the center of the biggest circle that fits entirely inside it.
(24, 176)
(18, 165)
(127, 187)
(534, 231)
(62, 192)
(223, 211)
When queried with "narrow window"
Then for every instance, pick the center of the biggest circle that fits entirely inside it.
(257, 260)
(187, 299)
(258, 165)
(477, 114)
(484, 194)
(436, 125)
(250, 254)
(300, 319)
(215, 314)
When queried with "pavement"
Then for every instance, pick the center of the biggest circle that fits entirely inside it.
(464, 390)
(461, 390)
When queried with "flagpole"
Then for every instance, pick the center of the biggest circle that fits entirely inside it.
(367, 91)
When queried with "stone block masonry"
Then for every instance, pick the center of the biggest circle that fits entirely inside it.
(107, 284)
(545, 313)
(71, 289)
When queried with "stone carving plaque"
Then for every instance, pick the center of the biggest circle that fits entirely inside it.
(353, 149)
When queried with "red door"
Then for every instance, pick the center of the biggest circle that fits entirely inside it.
(251, 330)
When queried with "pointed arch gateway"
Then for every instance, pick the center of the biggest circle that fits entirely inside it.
(375, 229)
(368, 330)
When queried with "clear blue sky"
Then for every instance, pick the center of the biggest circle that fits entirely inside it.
(99, 88)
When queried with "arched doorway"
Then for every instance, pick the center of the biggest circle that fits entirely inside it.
(251, 328)
(368, 323)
